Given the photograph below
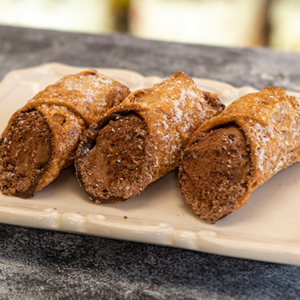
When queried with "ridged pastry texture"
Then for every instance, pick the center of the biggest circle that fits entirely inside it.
(161, 120)
(66, 108)
(270, 123)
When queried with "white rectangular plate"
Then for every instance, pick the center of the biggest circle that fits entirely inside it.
(266, 228)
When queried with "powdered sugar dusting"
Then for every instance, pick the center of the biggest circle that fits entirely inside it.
(175, 108)
(89, 94)
(272, 129)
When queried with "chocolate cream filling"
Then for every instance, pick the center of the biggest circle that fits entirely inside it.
(25, 150)
(215, 171)
(116, 168)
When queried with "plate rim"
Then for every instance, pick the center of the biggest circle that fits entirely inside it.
(161, 233)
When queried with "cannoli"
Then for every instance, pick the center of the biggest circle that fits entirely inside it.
(231, 155)
(42, 137)
(142, 139)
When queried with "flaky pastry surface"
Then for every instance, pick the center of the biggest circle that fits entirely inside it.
(69, 107)
(270, 121)
(171, 110)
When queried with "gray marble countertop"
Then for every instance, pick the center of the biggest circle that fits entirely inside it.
(40, 264)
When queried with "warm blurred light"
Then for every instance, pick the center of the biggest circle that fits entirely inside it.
(71, 15)
(285, 24)
(216, 22)
(241, 23)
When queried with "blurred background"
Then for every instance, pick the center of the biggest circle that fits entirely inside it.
(237, 23)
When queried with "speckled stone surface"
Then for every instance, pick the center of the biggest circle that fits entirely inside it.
(39, 264)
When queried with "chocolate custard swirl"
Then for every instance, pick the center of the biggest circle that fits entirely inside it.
(142, 139)
(230, 155)
(42, 137)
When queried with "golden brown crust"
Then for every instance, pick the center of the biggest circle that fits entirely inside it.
(87, 94)
(270, 121)
(172, 110)
(69, 107)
